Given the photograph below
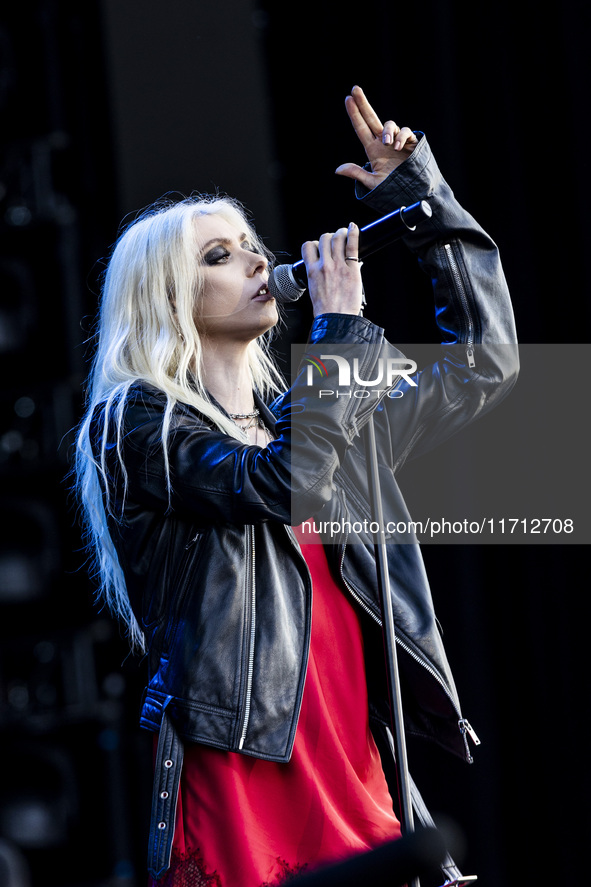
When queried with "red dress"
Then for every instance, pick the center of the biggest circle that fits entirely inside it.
(245, 822)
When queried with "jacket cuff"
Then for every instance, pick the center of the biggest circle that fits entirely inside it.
(345, 329)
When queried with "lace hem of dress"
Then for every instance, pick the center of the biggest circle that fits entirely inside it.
(188, 870)
(286, 873)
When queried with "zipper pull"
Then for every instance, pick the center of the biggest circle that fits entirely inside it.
(466, 727)
(470, 356)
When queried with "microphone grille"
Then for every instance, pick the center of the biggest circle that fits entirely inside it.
(283, 286)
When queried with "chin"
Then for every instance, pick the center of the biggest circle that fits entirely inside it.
(271, 319)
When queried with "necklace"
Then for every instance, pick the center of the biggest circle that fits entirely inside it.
(254, 421)
(253, 415)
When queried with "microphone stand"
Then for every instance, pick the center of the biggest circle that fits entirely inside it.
(389, 638)
(389, 635)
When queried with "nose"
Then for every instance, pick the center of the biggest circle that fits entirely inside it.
(257, 263)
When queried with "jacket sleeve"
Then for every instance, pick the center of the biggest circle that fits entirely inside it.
(214, 476)
(478, 362)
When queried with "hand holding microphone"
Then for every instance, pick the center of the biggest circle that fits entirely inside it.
(287, 283)
(333, 272)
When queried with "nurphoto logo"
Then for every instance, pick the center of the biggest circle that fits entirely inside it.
(389, 372)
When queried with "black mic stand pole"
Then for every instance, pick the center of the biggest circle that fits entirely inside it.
(389, 635)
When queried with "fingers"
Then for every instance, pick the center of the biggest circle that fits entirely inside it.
(334, 274)
(368, 126)
(386, 145)
(366, 122)
(333, 247)
(400, 138)
(353, 171)
(310, 252)
(352, 243)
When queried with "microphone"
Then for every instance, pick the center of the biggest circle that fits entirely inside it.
(288, 282)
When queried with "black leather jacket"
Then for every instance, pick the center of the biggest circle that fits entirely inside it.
(214, 572)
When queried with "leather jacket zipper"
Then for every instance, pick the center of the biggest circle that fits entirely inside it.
(461, 291)
(251, 579)
(354, 594)
(464, 726)
(296, 546)
(192, 541)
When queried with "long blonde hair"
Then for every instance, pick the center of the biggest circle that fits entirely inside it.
(146, 332)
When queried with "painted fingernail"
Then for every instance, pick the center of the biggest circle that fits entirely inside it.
(387, 139)
(397, 145)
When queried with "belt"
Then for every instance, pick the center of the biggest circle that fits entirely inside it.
(167, 777)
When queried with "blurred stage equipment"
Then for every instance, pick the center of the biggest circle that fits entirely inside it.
(14, 871)
(71, 765)
(392, 865)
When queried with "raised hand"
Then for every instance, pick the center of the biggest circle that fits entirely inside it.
(386, 145)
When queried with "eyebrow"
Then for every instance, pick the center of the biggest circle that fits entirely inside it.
(225, 241)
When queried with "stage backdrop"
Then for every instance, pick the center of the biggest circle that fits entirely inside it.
(109, 105)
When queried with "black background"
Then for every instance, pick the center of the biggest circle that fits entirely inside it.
(106, 106)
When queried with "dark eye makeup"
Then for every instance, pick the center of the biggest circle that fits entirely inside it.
(215, 255)
(219, 253)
